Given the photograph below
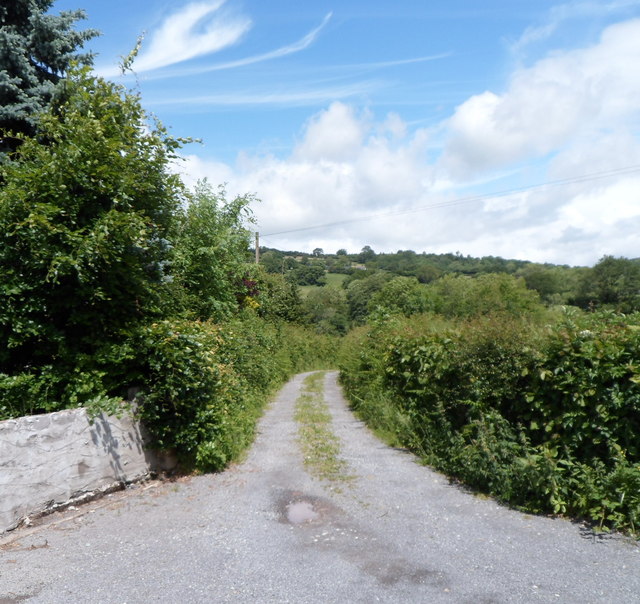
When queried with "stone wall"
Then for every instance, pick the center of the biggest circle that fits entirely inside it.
(47, 461)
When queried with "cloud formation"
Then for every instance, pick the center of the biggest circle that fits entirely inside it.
(566, 12)
(197, 29)
(305, 94)
(297, 46)
(574, 94)
(224, 29)
(570, 115)
(194, 30)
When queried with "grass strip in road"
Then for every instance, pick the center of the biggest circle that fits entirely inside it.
(320, 446)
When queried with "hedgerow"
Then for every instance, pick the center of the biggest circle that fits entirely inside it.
(544, 418)
(117, 281)
(202, 385)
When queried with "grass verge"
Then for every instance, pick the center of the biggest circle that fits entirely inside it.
(320, 446)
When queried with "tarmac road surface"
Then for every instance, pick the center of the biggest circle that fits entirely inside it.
(267, 531)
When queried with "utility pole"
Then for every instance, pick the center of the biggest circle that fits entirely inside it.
(257, 247)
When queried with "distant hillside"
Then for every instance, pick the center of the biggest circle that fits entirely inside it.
(613, 282)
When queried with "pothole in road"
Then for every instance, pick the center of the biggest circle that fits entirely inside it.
(299, 509)
(300, 512)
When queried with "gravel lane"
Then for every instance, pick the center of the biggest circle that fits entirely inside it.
(266, 531)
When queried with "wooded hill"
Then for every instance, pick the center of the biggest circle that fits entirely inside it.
(613, 283)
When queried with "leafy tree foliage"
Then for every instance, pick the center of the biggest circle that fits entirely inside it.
(460, 296)
(84, 221)
(360, 290)
(326, 309)
(366, 254)
(555, 284)
(402, 295)
(307, 274)
(273, 261)
(278, 298)
(612, 283)
(427, 267)
(105, 260)
(210, 258)
(36, 50)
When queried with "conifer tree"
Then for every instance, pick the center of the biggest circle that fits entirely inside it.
(36, 50)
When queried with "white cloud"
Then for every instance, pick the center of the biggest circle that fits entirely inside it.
(375, 182)
(604, 208)
(565, 12)
(301, 44)
(576, 229)
(196, 29)
(303, 94)
(304, 42)
(193, 168)
(335, 134)
(548, 104)
(345, 166)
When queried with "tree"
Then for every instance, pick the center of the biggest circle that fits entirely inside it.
(273, 261)
(366, 254)
(555, 284)
(426, 272)
(326, 310)
(84, 225)
(278, 298)
(318, 252)
(613, 282)
(36, 51)
(360, 292)
(307, 274)
(463, 296)
(339, 264)
(211, 246)
(547, 281)
(401, 295)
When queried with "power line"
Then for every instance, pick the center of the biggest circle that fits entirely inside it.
(474, 198)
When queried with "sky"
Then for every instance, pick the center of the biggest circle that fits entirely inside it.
(498, 128)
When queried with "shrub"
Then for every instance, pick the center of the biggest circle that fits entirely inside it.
(209, 257)
(461, 296)
(85, 209)
(543, 418)
(202, 386)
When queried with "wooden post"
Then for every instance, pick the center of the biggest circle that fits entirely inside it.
(257, 247)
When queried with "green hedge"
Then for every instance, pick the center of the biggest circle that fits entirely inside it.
(200, 386)
(544, 418)
(205, 385)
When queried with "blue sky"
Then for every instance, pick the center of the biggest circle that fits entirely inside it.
(401, 125)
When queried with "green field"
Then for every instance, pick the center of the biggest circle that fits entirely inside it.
(333, 280)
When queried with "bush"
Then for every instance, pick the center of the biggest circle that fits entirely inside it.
(203, 386)
(326, 310)
(278, 299)
(209, 258)
(401, 295)
(543, 418)
(104, 269)
(85, 210)
(461, 296)
(586, 387)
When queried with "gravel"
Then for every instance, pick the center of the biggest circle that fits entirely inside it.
(266, 531)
